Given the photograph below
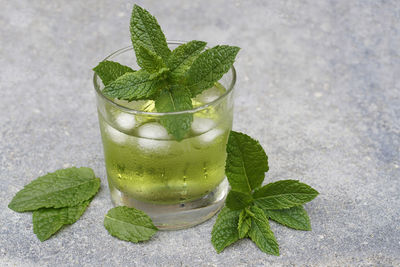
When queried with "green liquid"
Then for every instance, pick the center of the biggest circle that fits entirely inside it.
(147, 165)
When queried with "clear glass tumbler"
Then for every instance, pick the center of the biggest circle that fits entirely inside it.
(177, 183)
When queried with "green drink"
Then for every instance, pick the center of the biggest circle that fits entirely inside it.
(179, 183)
(144, 162)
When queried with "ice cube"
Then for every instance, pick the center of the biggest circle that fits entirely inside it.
(209, 95)
(153, 138)
(153, 130)
(115, 135)
(125, 121)
(210, 136)
(206, 139)
(202, 125)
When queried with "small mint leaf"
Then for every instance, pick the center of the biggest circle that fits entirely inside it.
(109, 71)
(237, 200)
(283, 194)
(146, 31)
(294, 217)
(149, 60)
(261, 233)
(62, 188)
(129, 224)
(225, 229)
(172, 100)
(134, 86)
(246, 162)
(209, 67)
(244, 224)
(182, 58)
(47, 221)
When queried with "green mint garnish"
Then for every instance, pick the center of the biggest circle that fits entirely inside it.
(176, 99)
(284, 194)
(149, 60)
(146, 32)
(246, 163)
(244, 223)
(260, 232)
(109, 71)
(209, 67)
(169, 78)
(249, 206)
(134, 86)
(62, 188)
(57, 199)
(237, 200)
(129, 224)
(182, 58)
(294, 217)
(225, 230)
(47, 221)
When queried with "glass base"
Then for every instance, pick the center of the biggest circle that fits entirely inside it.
(176, 216)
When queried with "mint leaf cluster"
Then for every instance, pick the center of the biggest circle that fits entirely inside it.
(170, 78)
(56, 199)
(249, 206)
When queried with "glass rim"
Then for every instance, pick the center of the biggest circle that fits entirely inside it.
(141, 112)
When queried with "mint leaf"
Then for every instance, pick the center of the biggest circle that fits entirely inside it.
(149, 60)
(172, 100)
(109, 71)
(145, 31)
(225, 229)
(209, 67)
(283, 194)
(295, 217)
(134, 86)
(129, 224)
(47, 221)
(261, 233)
(237, 200)
(246, 162)
(244, 224)
(182, 58)
(62, 188)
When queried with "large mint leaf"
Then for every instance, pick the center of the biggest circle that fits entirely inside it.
(246, 162)
(146, 31)
(172, 100)
(295, 217)
(209, 67)
(244, 224)
(109, 71)
(47, 221)
(225, 229)
(261, 233)
(237, 200)
(149, 60)
(129, 224)
(182, 58)
(284, 194)
(134, 86)
(62, 188)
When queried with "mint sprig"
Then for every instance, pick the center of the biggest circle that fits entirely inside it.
(57, 199)
(250, 206)
(171, 78)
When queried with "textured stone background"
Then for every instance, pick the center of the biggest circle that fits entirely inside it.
(318, 86)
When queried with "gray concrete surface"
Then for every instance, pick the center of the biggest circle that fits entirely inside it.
(318, 86)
